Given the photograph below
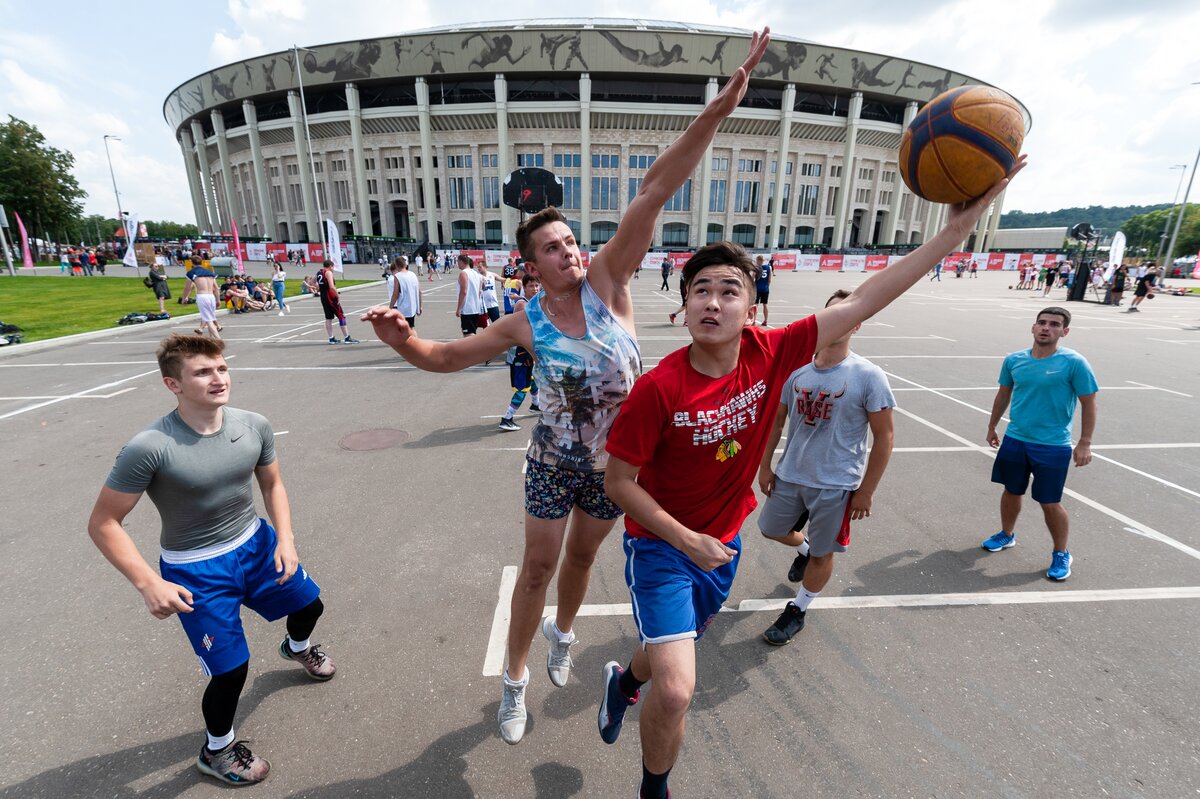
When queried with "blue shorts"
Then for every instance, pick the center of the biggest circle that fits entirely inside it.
(220, 585)
(1017, 460)
(673, 598)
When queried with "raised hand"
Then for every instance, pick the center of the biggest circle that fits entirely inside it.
(735, 88)
(390, 325)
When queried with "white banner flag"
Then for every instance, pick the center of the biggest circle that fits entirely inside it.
(131, 228)
(333, 246)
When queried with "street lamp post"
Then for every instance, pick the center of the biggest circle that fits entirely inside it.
(312, 164)
(120, 213)
(1179, 219)
(1162, 240)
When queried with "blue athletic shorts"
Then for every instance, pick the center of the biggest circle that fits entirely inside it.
(221, 585)
(673, 598)
(1017, 461)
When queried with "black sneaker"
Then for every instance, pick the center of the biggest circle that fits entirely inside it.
(796, 573)
(790, 622)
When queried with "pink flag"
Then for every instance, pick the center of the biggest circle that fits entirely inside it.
(237, 248)
(26, 257)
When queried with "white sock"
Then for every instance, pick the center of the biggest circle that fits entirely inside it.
(803, 548)
(562, 637)
(298, 646)
(216, 744)
(523, 681)
(804, 598)
(509, 413)
(534, 398)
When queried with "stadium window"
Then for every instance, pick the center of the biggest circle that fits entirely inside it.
(716, 196)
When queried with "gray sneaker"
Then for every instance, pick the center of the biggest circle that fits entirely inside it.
(558, 659)
(512, 715)
(314, 660)
(234, 764)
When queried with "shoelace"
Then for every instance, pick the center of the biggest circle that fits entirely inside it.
(314, 655)
(516, 694)
(242, 756)
(560, 652)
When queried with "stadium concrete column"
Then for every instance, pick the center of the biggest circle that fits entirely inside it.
(428, 198)
(710, 91)
(508, 226)
(980, 228)
(892, 217)
(362, 216)
(781, 175)
(994, 222)
(584, 195)
(306, 177)
(840, 227)
(228, 194)
(210, 198)
(266, 214)
(189, 162)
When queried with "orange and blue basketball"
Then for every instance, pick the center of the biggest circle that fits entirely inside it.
(961, 143)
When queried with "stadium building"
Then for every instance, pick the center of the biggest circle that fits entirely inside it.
(412, 136)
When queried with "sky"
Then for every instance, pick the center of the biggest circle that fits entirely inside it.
(1109, 83)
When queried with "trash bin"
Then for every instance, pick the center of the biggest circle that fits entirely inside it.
(221, 266)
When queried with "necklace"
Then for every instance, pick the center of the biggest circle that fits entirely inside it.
(557, 299)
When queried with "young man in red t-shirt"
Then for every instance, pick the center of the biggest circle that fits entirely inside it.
(683, 454)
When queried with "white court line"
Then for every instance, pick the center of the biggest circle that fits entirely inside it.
(1139, 472)
(38, 405)
(1175, 340)
(64, 396)
(493, 664)
(1138, 387)
(1156, 388)
(493, 661)
(948, 357)
(910, 338)
(93, 363)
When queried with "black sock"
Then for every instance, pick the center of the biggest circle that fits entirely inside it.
(629, 684)
(654, 786)
(301, 623)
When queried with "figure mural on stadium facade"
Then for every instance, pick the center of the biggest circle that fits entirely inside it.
(868, 75)
(551, 44)
(435, 54)
(402, 48)
(662, 58)
(772, 64)
(937, 86)
(346, 64)
(904, 84)
(824, 62)
(268, 71)
(223, 88)
(718, 57)
(494, 48)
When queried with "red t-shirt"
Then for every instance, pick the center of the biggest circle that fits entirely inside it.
(698, 440)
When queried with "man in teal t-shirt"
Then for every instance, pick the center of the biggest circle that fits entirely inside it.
(1042, 384)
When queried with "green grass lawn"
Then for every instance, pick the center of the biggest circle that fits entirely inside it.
(48, 307)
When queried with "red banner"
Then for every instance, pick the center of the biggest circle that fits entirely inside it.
(876, 262)
(277, 249)
(316, 253)
(831, 263)
(954, 259)
(1025, 260)
(995, 260)
(785, 262)
(678, 259)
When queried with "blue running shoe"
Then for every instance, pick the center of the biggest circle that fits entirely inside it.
(999, 541)
(1060, 565)
(614, 704)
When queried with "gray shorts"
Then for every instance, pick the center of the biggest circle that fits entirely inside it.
(828, 515)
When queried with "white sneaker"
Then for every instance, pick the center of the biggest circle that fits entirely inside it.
(512, 715)
(281, 313)
(558, 659)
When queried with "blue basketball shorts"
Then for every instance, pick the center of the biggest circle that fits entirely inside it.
(673, 598)
(1017, 461)
(222, 584)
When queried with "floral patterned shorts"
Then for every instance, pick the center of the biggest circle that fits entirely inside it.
(551, 492)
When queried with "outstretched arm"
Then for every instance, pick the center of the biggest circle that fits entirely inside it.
(614, 265)
(448, 356)
(883, 287)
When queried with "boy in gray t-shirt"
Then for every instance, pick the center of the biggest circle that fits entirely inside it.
(197, 465)
(824, 476)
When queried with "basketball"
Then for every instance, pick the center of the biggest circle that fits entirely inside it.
(961, 143)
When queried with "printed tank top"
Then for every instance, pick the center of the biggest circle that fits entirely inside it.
(581, 382)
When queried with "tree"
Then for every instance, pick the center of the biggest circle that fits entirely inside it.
(36, 180)
(1146, 230)
(171, 230)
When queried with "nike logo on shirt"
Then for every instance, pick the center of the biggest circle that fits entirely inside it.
(234, 440)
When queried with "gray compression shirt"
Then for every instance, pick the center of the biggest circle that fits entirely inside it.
(201, 485)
